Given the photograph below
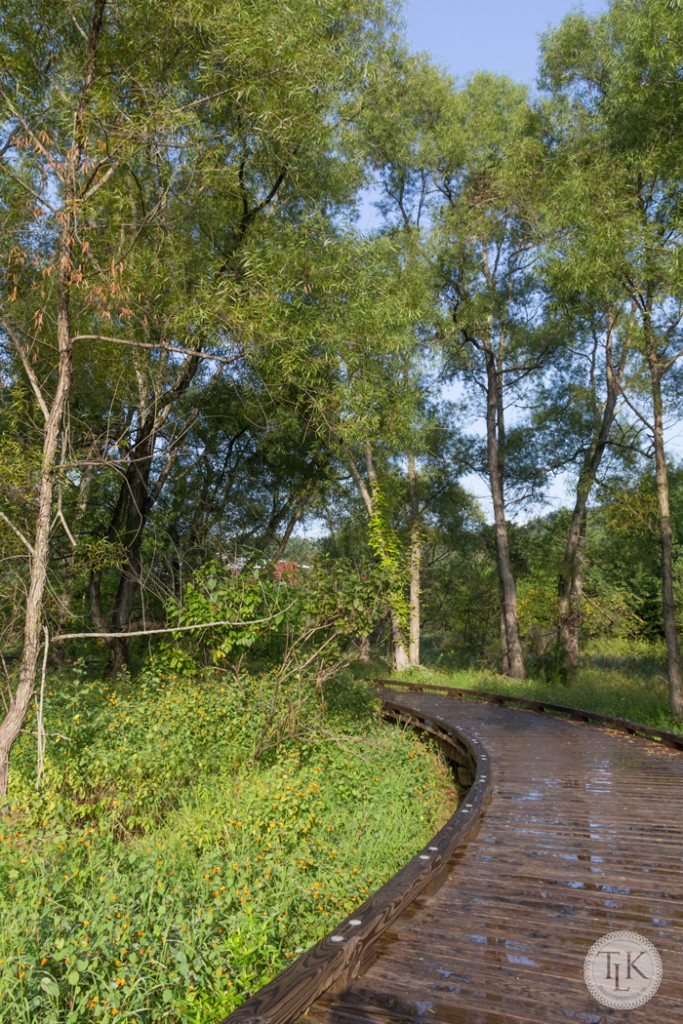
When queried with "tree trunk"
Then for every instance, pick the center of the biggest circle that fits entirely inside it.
(570, 601)
(129, 585)
(504, 657)
(668, 602)
(289, 528)
(512, 662)
(21, 698)
(65, 599)
(415, 563)
(127, 528)
(398, 637)
(398, 643)
(370, 497)
(40, 555)
(570, 583)
(137, 498)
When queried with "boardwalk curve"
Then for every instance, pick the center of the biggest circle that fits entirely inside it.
(577, 832)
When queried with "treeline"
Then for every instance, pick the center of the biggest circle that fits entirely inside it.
(201, 347)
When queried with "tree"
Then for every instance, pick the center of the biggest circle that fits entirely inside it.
(604, 73)
(350, 345)
(143, 148)
(53, 175)
(487, 243)
(576, 415)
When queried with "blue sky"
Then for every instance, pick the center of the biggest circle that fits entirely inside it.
(465, 36)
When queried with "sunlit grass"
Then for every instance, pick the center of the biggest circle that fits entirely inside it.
(625, 680)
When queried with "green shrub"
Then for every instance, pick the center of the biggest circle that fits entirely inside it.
(162, 874)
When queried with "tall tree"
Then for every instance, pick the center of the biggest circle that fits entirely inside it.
(147, 155)
(352, 347)
(487, 245)
(467, 170)
(577, 420)
(50, 171)
(605, 73)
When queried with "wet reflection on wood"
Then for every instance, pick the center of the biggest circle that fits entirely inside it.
(582, 836)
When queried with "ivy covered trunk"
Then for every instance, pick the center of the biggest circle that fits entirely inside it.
(415, 563)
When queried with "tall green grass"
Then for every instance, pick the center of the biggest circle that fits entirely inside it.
(163, 875)
(615, 678)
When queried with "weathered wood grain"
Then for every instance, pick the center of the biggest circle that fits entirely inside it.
(578, 832)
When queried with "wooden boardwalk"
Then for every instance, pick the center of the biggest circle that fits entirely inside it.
(580, 833)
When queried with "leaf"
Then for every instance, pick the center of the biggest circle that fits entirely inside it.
(49, 986)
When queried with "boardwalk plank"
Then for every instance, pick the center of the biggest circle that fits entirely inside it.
(583, 836)
(580, 833)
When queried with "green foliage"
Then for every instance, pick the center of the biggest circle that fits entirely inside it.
(298, 622)
(160, 875)
(391, 557)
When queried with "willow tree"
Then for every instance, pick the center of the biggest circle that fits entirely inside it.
(346, 347)
(579, 423)
(618, 103)
(486, 244)
(266, 142)
(52, 172)
(141, 147)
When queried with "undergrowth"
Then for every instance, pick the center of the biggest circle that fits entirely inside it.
(162, 874)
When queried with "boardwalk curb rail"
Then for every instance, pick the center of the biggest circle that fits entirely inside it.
(348, 950)
(669, 739)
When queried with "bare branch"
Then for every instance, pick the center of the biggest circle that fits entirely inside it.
(28, 369)
(168, 629)
(665, 366)
(79, 27)
(60, 516)
(17, 532)
(9, 142)
(227, 360)
(98, 184)
(27, 188)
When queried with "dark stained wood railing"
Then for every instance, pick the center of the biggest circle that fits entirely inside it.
(348, 950)
(670, 739)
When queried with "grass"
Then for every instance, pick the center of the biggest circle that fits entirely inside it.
(625, 680)
(162, 874)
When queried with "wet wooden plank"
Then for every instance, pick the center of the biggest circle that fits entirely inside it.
(664, 736)
(582, 835)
